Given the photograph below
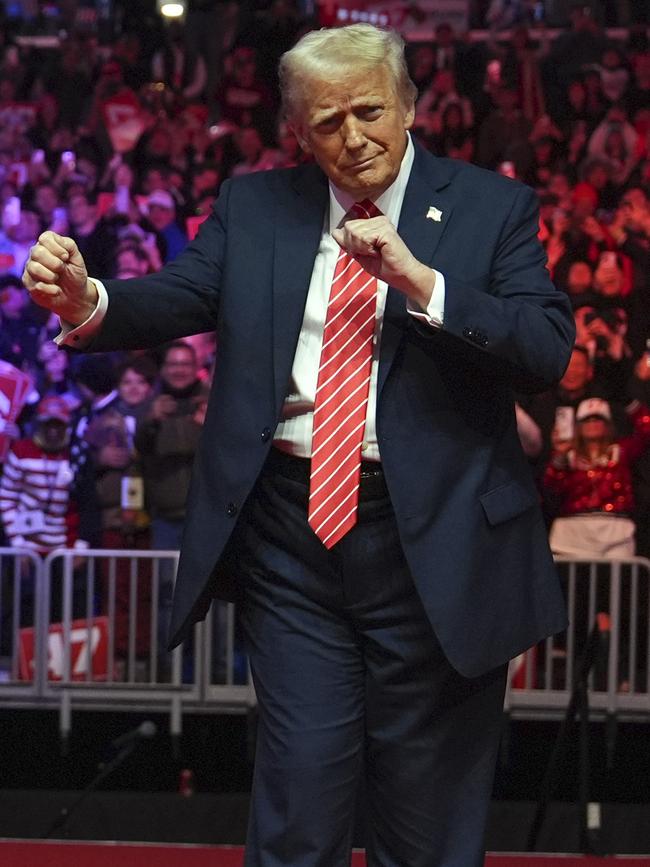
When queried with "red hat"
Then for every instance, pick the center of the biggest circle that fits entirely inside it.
(53, 408)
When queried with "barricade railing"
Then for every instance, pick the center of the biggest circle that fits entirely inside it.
(615, 595)
(91, 633)
(21, 624)
(84, 629)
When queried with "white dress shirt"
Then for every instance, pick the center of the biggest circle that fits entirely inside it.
(294, 432)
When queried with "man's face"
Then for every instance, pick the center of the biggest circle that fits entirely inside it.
(79, 211)
(355, 127)
(160, 217)
(179, 368)
(53, 434)
(129, 262)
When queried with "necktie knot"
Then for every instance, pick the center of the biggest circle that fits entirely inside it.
(364, 210)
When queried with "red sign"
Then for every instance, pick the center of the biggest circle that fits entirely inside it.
(105, 202)
(192, 225)
(521, 677)
(88, 650)
(125, 120)
(14, 388)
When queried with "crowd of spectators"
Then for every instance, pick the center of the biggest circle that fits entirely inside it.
(570, 116)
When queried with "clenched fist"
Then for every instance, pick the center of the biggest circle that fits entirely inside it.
(378, 248)
(56, 277)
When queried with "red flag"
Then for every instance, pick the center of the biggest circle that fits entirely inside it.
(125, 120)
(14, 388)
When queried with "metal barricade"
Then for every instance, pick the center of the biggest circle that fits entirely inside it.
(84, 629)
(21, 625)
(619, 683)
(227, 674)
(110, 611)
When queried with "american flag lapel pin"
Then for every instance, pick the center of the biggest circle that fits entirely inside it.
(434, 214)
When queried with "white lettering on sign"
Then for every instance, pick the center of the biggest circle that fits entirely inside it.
(81, 651)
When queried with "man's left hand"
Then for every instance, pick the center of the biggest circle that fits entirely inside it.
(378, 248)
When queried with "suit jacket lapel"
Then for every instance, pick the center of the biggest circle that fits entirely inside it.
(298, 232)
(428, 187)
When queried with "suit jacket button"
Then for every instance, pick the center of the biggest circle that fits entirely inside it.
(266, 434)
(231, 510)
(467, 332)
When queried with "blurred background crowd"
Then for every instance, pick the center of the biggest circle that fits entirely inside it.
(123, 142)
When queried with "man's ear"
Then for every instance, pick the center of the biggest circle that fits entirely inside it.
(409, 117)
(298, 131)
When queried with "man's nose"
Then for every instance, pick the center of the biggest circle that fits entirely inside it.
(353, 134)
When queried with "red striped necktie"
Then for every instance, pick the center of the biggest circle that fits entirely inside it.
(342, 394)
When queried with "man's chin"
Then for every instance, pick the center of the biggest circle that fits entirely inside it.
(366, 184)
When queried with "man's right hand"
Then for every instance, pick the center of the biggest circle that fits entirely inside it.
(56, 277)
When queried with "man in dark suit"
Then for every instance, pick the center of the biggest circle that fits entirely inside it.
(378, 641)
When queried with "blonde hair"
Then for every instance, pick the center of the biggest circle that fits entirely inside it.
(324, 53)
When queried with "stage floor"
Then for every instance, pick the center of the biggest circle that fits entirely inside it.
(20, 853)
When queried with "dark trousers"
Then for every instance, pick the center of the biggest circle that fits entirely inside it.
(351, 682)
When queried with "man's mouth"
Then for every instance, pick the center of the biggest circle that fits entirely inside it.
(362, 163)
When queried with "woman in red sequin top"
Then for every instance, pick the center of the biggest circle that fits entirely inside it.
(591, 477)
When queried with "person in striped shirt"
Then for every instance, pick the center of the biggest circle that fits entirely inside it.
(42, 485)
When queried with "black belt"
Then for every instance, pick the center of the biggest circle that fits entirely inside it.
(372, 483)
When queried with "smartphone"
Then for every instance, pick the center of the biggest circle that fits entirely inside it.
(68, 158)
(38, 156)
(565, 422)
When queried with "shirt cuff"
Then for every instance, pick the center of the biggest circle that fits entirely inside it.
(79, 336)
(435, 313)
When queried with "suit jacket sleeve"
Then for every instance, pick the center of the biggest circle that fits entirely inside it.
(519, 326)
(181, 299)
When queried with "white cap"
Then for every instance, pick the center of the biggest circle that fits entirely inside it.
(594, 406)
(161, 198)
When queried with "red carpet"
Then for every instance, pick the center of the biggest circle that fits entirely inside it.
(52, 854)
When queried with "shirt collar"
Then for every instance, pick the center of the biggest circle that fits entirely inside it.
(389, 202)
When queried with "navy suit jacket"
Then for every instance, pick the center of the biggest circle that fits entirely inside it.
(464, 500)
